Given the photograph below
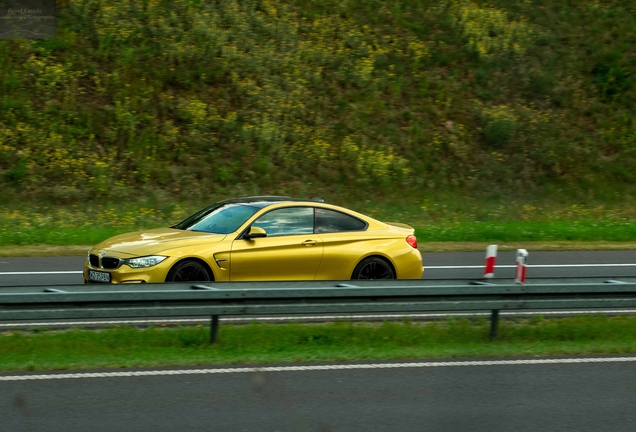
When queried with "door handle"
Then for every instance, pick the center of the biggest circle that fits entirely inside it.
(309, 243)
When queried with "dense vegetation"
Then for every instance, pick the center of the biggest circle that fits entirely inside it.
(201, 97)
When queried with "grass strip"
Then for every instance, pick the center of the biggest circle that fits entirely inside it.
(70, 226)
(48, 250)
(464, 236)
(511, 231)
(458, 221)
(539, 231)
(256, 343)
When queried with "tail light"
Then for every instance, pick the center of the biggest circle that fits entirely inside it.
(412, 241)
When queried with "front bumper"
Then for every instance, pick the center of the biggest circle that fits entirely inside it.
(125, 274)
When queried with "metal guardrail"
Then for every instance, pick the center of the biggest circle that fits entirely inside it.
(265, 298)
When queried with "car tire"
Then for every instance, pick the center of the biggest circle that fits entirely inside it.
(189, 271)
(373, 268)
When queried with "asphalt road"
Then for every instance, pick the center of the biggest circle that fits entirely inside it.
(581, 397)
(447, 265)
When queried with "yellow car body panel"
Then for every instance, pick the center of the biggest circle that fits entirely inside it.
(343, 253)
(293, 257)
(231, 257)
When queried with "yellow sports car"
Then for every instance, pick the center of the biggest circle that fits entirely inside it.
(257, 239)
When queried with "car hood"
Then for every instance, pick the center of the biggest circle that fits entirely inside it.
(156, 241)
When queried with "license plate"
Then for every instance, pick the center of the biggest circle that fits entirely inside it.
(96, 276)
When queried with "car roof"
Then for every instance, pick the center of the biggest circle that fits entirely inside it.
(267, 200)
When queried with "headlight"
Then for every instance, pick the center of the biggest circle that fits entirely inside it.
(147, 261)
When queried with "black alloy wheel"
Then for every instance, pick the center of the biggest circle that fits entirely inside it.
(373, 268)
(188, 271)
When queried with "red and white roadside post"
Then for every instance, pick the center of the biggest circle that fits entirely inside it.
(522, 262)
(491, 257)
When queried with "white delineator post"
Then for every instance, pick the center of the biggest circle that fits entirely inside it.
(491, 257)
(522, 262)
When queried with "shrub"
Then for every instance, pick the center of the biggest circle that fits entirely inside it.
(499, 124)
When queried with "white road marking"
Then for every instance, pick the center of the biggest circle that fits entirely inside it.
(534, 266)
(425, 267)
(54, 376)
(42, 272)
(308, 318)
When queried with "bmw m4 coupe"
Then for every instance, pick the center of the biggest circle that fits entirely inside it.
(259, 239)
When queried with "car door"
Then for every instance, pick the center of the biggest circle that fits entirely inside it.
(344, 240)
(290, 251)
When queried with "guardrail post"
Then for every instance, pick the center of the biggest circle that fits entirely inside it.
(494, 323)
(214, 328)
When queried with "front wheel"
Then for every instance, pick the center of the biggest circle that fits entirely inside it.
(188, 271)
(373, 268)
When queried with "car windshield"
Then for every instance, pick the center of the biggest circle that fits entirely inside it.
(218, 219)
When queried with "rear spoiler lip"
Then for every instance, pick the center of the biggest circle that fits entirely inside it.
(401, 225)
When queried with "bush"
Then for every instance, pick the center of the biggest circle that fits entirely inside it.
(499, 124)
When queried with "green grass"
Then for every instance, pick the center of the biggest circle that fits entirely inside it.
(505, 231)
(436, 219)
(518, 231)
(122, 347)
(60, 236)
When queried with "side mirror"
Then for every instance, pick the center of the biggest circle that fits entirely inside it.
(255, 232)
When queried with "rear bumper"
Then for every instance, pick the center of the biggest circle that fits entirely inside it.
(409, 265)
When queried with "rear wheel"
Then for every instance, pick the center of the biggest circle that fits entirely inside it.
(189, 271)
(373, 268)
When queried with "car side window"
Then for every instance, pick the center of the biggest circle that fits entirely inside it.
(329, 221)
(287, 221)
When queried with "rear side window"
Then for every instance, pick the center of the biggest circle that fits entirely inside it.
(287, 221)
(329, 221)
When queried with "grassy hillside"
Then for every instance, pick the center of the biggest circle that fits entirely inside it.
(195, 98)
